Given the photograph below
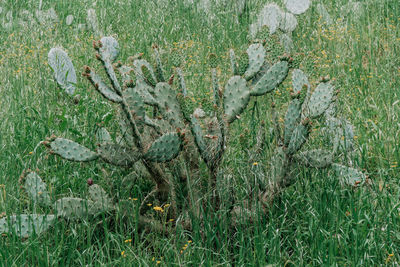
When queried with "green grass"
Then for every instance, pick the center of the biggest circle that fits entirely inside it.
(315, 222)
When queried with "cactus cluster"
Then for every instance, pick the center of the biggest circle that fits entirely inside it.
(306, 106)
(162, 131)
(276, 20)
(25, 225)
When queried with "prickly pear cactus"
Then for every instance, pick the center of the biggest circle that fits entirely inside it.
(163, 128)
(109, 47)
(236, 97)
(25, 225)
(317, 158)
(165, 148)
(306, 106)
(72, 151)
(272, 78)
(292, 119)
(320, 99)
(349, 175)
(118, 155)
(297, 6)
(36, 189)
(64, 71)
(256, 58)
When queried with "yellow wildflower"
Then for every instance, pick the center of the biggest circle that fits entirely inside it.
(157, 208)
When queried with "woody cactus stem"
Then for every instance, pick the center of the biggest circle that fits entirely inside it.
(104, 57)
(222, 124)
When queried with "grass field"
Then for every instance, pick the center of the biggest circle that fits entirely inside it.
(316, 222)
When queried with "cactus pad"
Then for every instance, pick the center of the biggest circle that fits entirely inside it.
(299, 137)
(292, 119)
(118, 155)
(320, 100)
(100, 198)
(269, 16)
(317, 158)
(299, 80)
(288, 22)
(165, 148)
(70, 150)
(274, 76)
(75, 208)
(256, 53)
(64, 71)
(349, 175)
(341, 134)
(36, 189)
(135, 103)
(24, 225)
(103, 136)
(236, 97)
(199, 136)
(297, 6)
(109, 48)
(169, 106)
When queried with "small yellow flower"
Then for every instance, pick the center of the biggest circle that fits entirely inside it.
(255, 163)
(171, 220)
(123, 253)
(389, 258)
(167, 205)
(158, 262)
(157, 208)
(30, 153)
(190, 241)
(149, 204)
(128, 241)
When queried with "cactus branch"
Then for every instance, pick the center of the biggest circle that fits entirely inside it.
(277, 131)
